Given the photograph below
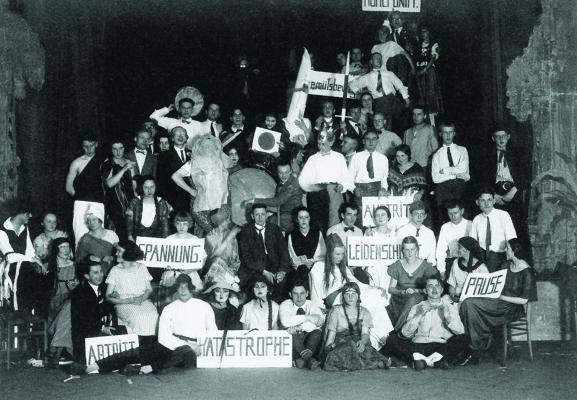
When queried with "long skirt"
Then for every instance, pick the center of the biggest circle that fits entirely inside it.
(430, 91)
(138, 318)
(345, 356)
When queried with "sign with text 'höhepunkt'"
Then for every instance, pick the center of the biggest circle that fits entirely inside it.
(101, 347)
(327, 84)
(484, 285)
(397, 205)
(245, 349)
(392, 5)
(174, 253)
(372, 251)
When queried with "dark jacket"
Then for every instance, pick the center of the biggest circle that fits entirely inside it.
(168, 163)
(287, 197)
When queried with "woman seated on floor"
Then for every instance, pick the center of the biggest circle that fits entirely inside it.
(261, 312)
(218, 294)
(471, 259)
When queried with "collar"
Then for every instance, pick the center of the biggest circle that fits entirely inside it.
(452, 145)
(8, 225)
(237, 128)
(259, 227)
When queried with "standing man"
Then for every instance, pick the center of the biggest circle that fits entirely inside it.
(186, 110)
(388, 140)
(349, 147)
(449, 170)
(141, 155)
(424, 235)
(211, 124)
(168, 163)
(84, 184)
(493, 228)
(421, 138)
(451, 232)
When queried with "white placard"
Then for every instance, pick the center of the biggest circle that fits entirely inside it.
(392, 5)
(372, 251)
(266, 141)
(101, 347)
(397, 205)
(328, 84)
(174, 253)
(484, 285)
(245, 349)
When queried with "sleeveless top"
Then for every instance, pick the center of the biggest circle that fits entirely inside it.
(88, 183)
(18, 243)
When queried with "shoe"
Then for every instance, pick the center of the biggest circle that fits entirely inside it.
(130, 370)
(441, 364)
(300, 363)
(385, 364)
(77, 369)
(419, 365)
(314, 364)
(306, 354)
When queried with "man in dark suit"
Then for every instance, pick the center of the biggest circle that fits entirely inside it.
(90, 315)
(168, 163)
(288, 196)
(352, 127)
(141, 155)
(263, 251)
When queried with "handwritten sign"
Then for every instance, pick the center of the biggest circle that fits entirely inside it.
(176, 253)
(101, 347)
(372, 251)
(245, 349)
(484, 285)
(392, 5)
(397, 205)
(327, 84)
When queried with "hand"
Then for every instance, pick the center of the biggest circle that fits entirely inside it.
(108, 330)
(95, 259)
(129, 164)
(509, 195)
(343, 126)
(411, 291)
(292, 330)
(338, 188)
(499, 200)
(269, 276)
(280, 276)
(276, 154)
(446, 313)
(281, 145)
(407, 102)
(194, 346)
(425, 307)
(384, 292)
(170, 107)
(107, 259)
(114, 295)
(193, 192)
(360, 346)
(319, 123)
(309, 263)
(383, 192)
(137, 300)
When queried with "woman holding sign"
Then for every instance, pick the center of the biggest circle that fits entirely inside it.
(471, 259)
(481, 315)
(381, 217)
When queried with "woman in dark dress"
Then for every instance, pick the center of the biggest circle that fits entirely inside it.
(406, 178)
(147, 215)
(481, 315)
(427, 79)
(227, 316)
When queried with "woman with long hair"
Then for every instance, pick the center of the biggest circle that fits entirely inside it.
(260, 312)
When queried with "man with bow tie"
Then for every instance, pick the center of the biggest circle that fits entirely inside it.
(348, 213)
(186, 111)
(237, 135)
(144, 159)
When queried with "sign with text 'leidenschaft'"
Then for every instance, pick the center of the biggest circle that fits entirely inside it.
(245, 349)
(101, 347)
(487, 285)
(372, 251)
(397, 205)
(392, 5)
(174, 253)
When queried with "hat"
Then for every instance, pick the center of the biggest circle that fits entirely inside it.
(220, 276)
(233, 287)
(98, 212)
(192, 93)
(417, 205)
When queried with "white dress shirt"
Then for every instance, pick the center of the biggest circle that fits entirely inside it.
(391, 84)
(359, 172)
(189, 319)
(503, 172)
(447, 246)
(289, 318)
(460, 166)
(206, 125)
(387, 50)
(502, 229)
(339, 229)
(425, 237)
(140, 158)
(193, 128)
(326, 168)
(6, 247)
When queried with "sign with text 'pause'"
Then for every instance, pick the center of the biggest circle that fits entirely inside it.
(484, 285)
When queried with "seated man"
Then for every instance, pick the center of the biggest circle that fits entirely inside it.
(180, 324)
(433, 334)
(348, 213)
(304, 322)
(424, 235)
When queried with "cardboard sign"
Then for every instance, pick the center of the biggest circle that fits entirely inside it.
(101, 347)
(245, 349)
(265, 141)
(392, 5)
(174, 253)
(327, 84)
(397, 205)
(484, 285)
(372, 251)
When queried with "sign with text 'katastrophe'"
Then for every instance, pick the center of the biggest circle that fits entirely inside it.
(327, 84)
(372, 251)
(101, 347)
(392, 5)
(487, 285)
(245, 349)
(397, 205)
(174, 253)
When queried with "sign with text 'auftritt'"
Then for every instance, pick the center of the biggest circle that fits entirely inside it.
(397, 205)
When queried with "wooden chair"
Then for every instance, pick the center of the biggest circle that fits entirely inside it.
(29, 326)
(519, 327)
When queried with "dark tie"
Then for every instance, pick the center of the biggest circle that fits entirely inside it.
(141, 151)
(300, 311)
(417, 234)
(370, 166)
(450, 157)
(151, 148)
(186, 121)
(380, 83)
(502, 158)
(488, 236)
(182, 156)
(261, 236)
(351, 228)
(212, 130)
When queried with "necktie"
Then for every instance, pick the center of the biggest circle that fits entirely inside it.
(300, 311)
(380, 83)
(350, 228)
(261, 236)
(185, 121)
(417, 234)
(182, 156)
(370, 166)
(141, 151)
(502, 159)
(451, 163)
(212, 130)
(488, 236)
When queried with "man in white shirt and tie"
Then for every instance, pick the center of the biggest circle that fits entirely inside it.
(449, 170)
(424, 235)
(493, 228)
(451, 232)
(369, 170)
(211, 125)
(304, 321)
(186, 110)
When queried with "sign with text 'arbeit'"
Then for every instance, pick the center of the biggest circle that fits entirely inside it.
(397, 205)
(392, 5)
(484, 285)
(372, 251)
(327, 84)
(101, 347)
(174, 253)
(245, 349)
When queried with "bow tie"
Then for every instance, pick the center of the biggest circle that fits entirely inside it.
(186, 121)
(141, 151)
(351, 228)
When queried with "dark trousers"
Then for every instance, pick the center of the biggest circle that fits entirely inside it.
(153, 354)
(306, 341)
(494, 260)
(403, 348)
(445, 191)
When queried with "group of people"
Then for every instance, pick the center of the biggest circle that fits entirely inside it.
(287, 267)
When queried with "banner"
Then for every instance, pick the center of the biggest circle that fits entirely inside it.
(397, 205)
(392, 5)
(299, 98)
(483, 285)
(174, 253)
(372, 251)
(101, 347)
(327, 84)
(265, 141)
(245, 349)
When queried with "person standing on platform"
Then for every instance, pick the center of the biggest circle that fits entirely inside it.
(186, 110)
(211, 124)
(447, 246)
(168, 163)
(421, 138)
